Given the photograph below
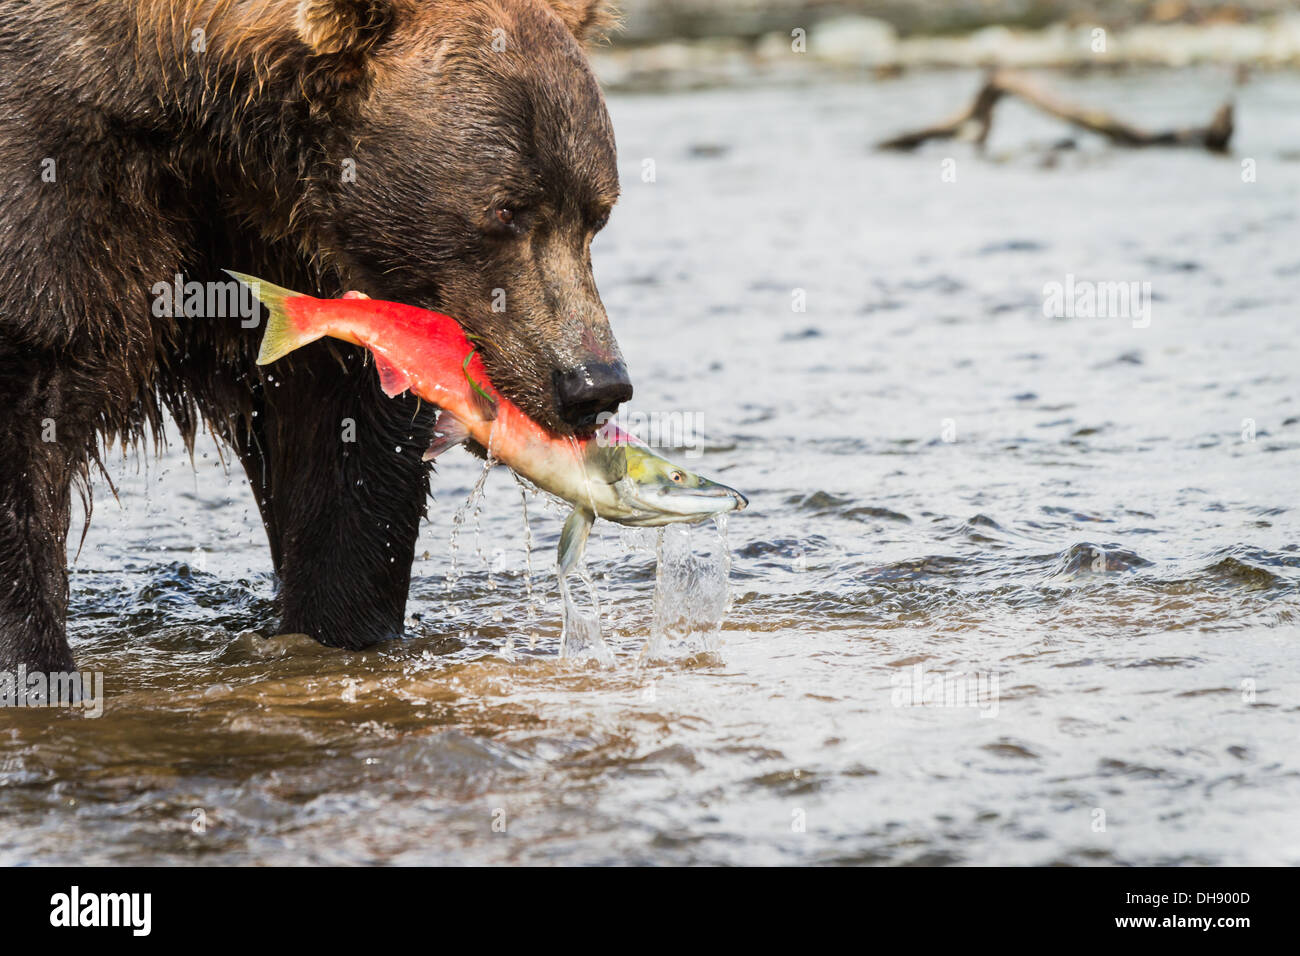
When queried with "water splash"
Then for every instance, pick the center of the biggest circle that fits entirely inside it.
(454, 573)
(478, 497)
(580, 634)
(580, 631)
(530, 611)
(692, 590)
(691, 595)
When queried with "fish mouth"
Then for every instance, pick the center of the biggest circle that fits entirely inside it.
(672, 505)
(728, 499)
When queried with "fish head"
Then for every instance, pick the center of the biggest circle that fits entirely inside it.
(654, 491)
(628, 483)
(484, 164)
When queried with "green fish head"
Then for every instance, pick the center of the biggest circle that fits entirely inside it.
(660, 492)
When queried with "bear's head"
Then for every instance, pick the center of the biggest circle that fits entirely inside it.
(482, 163)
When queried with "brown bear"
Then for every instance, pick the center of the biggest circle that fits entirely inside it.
(451, 154)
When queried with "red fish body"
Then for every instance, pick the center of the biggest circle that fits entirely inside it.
(611, 475)
(416, 350)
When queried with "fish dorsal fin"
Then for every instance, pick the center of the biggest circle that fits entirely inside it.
(449, 432)
(391, 378)
(573, 539)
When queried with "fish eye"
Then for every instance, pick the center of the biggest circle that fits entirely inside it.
(676, 476)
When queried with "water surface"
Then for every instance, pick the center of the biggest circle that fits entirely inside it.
(1099, 517)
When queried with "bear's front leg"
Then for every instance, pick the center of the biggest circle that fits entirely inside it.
(42, 443)
(337, 465)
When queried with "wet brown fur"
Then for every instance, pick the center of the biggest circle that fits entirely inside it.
(171, 160)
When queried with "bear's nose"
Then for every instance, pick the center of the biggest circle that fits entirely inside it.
(586, 391)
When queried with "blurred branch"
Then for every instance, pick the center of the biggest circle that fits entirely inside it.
(975, 121)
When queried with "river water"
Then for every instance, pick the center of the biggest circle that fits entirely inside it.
(1011, 588)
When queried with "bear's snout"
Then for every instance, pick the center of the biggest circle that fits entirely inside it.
(585, 392)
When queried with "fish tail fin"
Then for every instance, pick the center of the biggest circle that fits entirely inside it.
(282, 336)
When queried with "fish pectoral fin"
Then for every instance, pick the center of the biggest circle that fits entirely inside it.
(610, 461)
(573, 539)
(449, 432)
(486, 406)
(391, 378)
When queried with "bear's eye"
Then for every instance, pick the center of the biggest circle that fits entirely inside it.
(508, 220)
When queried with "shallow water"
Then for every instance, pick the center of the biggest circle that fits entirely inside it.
(1076, 514)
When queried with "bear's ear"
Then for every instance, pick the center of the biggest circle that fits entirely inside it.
(343, 27)
(587, 19)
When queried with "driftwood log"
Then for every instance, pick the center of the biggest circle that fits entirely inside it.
(976, 119)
